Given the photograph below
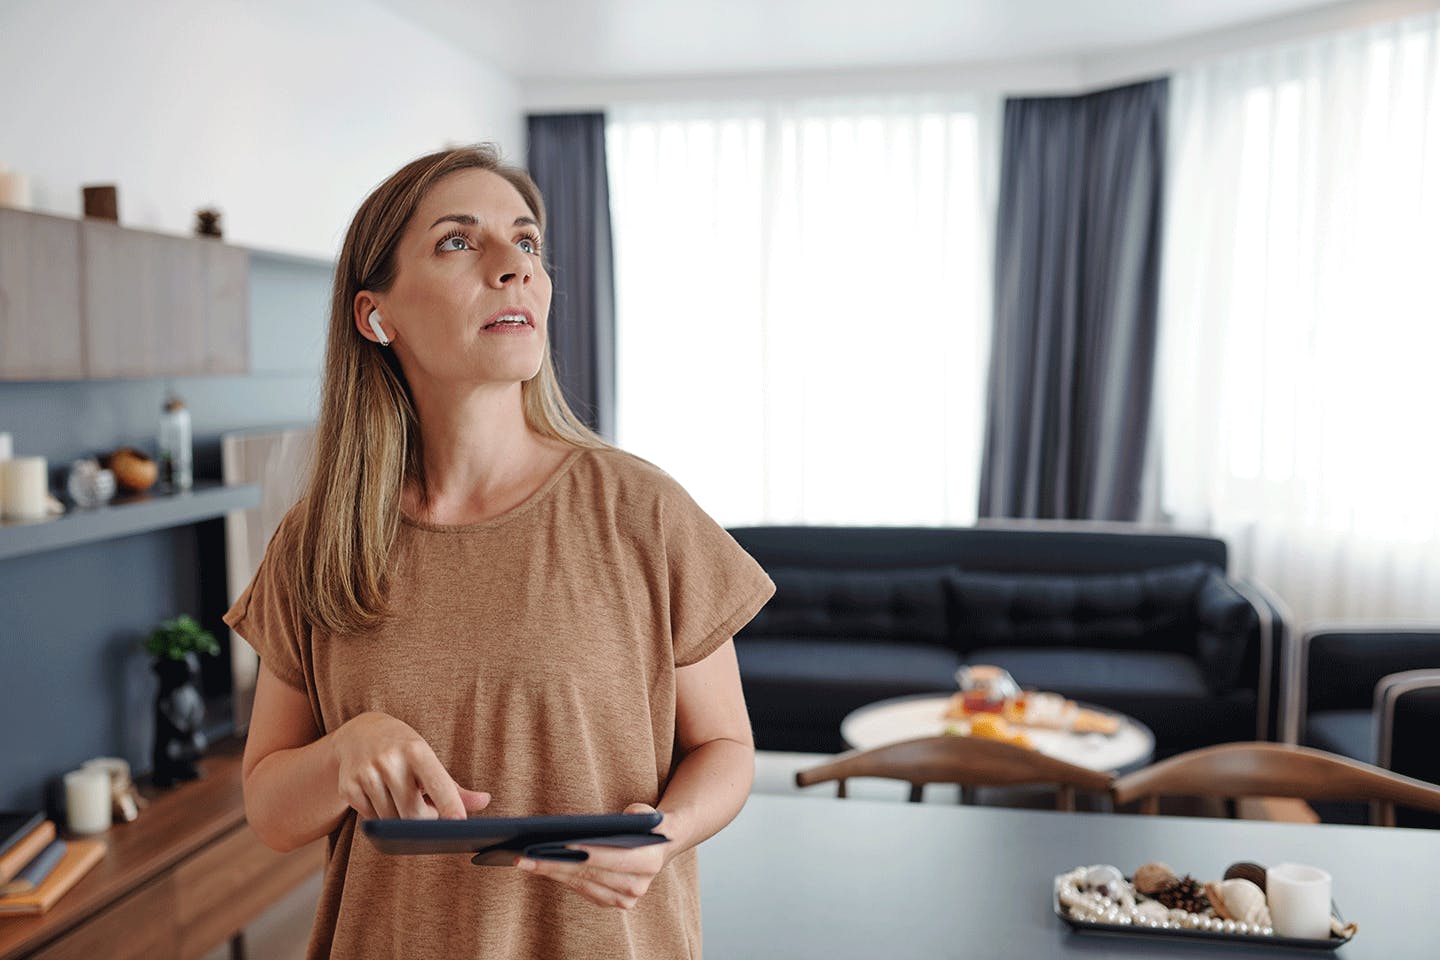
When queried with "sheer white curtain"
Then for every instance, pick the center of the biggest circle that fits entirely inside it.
(803, 303)
(1300, 318)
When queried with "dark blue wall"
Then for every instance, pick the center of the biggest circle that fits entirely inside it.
(73, 681)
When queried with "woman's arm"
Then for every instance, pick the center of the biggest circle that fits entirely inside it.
(712, 731)
(299, 784)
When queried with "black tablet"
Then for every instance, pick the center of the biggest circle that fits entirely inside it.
(498, 840)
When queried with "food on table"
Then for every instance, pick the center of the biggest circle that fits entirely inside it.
(1238, 899)
(991, 726)
(1031, 709)
(1253, 872)
(1186, 894)
(985, 688)
(1151, 878)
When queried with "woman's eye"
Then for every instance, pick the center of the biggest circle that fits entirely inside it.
(528, 245)
(452, 238)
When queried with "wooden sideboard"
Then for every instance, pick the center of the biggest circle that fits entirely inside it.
(185, 877)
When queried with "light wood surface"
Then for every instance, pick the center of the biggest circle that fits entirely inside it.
(39, 297)
(967, 761)
(1233, 770)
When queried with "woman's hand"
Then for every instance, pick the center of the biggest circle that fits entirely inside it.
(388, 770)
(613, 876)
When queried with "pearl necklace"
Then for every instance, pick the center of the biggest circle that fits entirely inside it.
(1094, 907)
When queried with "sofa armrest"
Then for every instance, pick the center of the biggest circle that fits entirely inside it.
(1407, 715)
(1338, 667)
(1276, 627)
(1228, 626)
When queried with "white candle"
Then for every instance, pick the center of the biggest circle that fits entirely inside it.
(14, 189)
(1299, 900)
(25, 484)
(87, 800)
(6, 452)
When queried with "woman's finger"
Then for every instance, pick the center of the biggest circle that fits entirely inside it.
(405, 793)
(378, 795)
(437, 783)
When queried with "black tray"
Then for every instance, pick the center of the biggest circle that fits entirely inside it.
(1178, 933)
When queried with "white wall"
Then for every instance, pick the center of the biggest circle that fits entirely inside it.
(283, 113)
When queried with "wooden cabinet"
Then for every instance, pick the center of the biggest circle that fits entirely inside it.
(186, 877)
(40, 331)
(92, 299)
(162, 306)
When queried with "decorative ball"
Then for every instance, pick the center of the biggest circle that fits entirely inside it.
(134, 471)
(1105, 880)
(1151, 878)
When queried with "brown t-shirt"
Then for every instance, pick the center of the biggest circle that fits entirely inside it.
(535, 652)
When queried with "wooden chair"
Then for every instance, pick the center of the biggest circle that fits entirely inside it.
(967, 761)
(1234, 770)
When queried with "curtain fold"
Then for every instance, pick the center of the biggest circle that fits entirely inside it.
(1299, 325)
(1077, 273)
(567, 161)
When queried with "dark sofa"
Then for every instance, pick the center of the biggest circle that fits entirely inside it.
(1371, 693)
(1146, 623)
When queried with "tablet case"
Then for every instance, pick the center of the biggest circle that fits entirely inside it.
(497, 841)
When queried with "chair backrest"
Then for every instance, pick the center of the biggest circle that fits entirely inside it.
(967, 761)
(1233, 770)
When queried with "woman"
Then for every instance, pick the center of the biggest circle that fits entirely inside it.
(479, 605)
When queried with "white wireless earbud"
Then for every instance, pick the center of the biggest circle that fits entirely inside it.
(379, 330)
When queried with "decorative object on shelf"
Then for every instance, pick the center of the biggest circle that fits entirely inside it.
(24, 482)
(102, 202)
(88, 484)
(14, 189)
(125, 800)
(6, 452)
(179, 708)
(176, 461)
(134, 471)
(87, 800)
(207, 223)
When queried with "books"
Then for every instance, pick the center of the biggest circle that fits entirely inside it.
(24, 850)
(79, 857)
(15, 825)
(33, 873)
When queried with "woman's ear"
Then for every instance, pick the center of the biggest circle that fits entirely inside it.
(369, 321)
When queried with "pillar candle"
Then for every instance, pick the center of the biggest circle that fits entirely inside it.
(6, 452)
(14, 190)
(87, 800)
(24, 482)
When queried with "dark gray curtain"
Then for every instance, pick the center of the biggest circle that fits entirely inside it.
(567, 160)
(1077, 278)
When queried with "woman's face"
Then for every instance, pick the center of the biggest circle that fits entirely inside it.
(469, 256)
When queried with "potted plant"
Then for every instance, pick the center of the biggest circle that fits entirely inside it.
(175, 646)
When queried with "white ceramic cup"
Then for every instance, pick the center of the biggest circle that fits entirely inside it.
(87, 800)
(1299, 898)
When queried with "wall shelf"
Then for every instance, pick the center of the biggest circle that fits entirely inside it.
(126, 516)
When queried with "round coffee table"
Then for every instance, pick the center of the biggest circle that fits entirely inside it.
(921, 715)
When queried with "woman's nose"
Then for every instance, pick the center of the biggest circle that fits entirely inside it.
(510, 265)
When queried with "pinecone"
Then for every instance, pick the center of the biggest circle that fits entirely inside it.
(1187, 893)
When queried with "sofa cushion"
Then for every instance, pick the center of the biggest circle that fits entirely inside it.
(1350, 733)
(903, 604)
(1146, 610)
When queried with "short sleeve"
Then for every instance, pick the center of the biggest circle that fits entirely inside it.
(715, 587)
(267, 617)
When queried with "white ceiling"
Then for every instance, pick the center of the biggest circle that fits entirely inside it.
(613, 39)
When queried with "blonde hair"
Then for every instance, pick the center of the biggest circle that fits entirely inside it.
(367, 440)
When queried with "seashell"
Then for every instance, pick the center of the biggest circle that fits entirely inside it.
(1151, 878)
(1247, 871)
(1106, 880)
(1239, 899)
(1153, 910)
